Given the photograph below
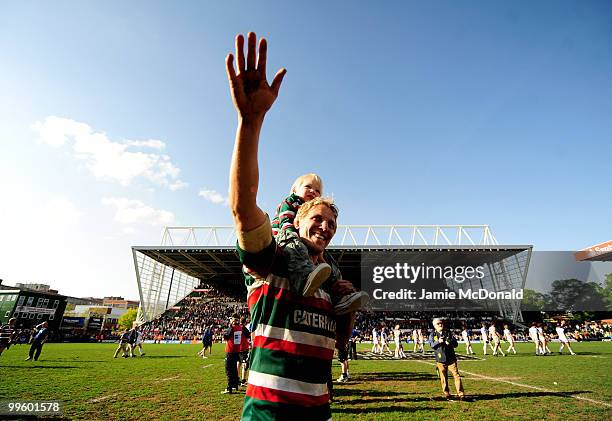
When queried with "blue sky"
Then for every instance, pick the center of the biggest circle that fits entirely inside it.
(115, 116)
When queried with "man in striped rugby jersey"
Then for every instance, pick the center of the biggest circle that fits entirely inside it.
(293, 336)
(7, 334)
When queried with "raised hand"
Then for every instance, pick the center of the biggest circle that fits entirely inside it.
(251, 93)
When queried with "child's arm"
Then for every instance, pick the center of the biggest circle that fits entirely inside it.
(285, 214)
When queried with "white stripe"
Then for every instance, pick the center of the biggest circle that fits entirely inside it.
(287, 385)
(282, 283)
(272, 280)
(278, 281)
(295, 336)
(528, 386)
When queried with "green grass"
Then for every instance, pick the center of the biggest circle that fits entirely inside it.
(170, 383)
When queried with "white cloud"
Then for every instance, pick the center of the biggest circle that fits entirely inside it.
(150, 143)
(213, 196)
(177, 185)
(129, 211)
(108, 160)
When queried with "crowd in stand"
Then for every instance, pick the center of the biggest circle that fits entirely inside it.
(592, 331)
(187, 321)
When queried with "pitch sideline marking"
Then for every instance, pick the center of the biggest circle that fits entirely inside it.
(102, 398)
(528, 386)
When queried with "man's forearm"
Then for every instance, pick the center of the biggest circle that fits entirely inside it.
(244, 176)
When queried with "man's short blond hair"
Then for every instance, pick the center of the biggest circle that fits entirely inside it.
(317, 201)
(298, 182)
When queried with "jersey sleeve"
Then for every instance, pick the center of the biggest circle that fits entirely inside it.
(285, 214)
(257, 265)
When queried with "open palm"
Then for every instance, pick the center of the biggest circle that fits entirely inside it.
(251, 93)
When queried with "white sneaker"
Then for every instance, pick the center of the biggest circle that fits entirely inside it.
(317, 277)
(351, 302)
(342, 379)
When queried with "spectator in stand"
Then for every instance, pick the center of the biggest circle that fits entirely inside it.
(39, 339)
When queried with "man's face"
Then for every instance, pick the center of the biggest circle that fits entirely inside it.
(439, 325)
(317, 228)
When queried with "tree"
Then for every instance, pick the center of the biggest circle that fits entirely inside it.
(606, 291)
(127, 319)
(574, 294)
(534, 301)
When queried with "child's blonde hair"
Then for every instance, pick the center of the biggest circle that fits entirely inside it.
(298, 182)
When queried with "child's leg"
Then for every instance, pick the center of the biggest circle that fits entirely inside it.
(299, 264)
(343, 303)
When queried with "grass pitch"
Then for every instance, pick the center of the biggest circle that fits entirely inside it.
(170, 383)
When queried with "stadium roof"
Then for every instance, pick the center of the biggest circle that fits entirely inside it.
(189, 255)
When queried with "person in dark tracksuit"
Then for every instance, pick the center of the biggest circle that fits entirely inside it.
(444, 343)
(132, 342)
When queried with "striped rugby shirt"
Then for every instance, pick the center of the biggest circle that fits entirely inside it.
(293, 343)
(7, 333)
(285, 214)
